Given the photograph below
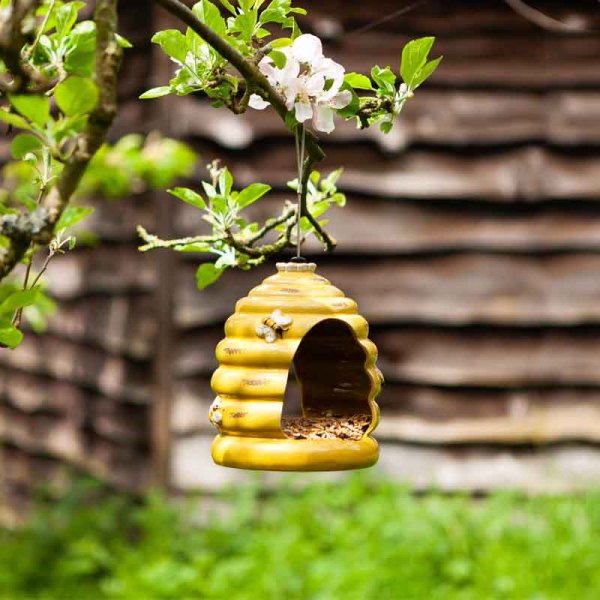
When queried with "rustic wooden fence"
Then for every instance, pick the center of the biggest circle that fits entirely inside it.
(470, 241)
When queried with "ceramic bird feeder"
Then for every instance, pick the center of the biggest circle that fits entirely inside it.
(297, 382)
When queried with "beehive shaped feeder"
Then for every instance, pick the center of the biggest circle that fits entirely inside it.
(295, 331)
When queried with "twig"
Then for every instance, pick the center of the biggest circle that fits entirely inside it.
(537, 17)
(272, 224)
(153, 241)
(329, 242)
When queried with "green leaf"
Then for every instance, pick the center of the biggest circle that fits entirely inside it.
(76, 95)
(206, 274)
(228, 6)
(36, 108)
(13, 119)
(386, 126)
(351, 109)
(72, 215)
(156, 92)
(65, 17)
(279, 59)
(414, 56)
(123, 42)
(225, 182)
(385, 79)
(209, 14)
(423, 73)
(24, 143)
(19, 299)
(245, 24)
(188, 196)
(252, 193)
(80, 53)
(358, 81)
(173, 43)
(10, 336)
(281, 42)
(209, 189)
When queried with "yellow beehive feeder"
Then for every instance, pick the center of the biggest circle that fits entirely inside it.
(296, 322)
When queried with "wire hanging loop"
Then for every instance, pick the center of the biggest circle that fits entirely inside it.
(300, 137)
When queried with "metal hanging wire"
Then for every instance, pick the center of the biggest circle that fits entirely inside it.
(300, 137)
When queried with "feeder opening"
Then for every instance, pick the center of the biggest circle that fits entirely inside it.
(328, 386)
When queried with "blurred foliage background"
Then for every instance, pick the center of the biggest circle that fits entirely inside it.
(359, 538)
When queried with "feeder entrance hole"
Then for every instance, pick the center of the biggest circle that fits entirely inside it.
(328, 387)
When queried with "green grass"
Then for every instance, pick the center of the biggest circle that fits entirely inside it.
(359, 539)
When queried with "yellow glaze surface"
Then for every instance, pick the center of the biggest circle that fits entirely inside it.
(251, 379)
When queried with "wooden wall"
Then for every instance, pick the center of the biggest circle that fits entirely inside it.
(470, 241)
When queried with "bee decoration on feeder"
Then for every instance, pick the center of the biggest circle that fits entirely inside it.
(296, 326)
(273, 327)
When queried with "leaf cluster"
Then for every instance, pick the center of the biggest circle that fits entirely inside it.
(233, 237)
(389, 91)
(246, 27)
(37, 304)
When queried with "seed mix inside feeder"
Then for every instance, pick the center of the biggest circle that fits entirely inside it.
(297, 382)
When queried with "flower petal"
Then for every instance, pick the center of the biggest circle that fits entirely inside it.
(257, 102)
(303, 111)
(313, 85)
(266, 67)
(341, 100)
(307, 48)
(323, 118)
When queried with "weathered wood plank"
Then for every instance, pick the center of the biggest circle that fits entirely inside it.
(73, 362)
(403, 227)
(117, 269)
(60, 437)
(436, 117)
(536, 62)
(553, 470)
(451, 18)
(528, 174)
(114, 323)
(31, 394)
(116, 220)
(456, 289)
(490, 358)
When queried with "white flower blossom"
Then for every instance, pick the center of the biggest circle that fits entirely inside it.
(309, 82)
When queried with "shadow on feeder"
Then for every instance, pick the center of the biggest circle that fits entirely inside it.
(327, 395)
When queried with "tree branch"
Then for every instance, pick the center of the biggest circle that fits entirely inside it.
(255, 80)
(39, 226)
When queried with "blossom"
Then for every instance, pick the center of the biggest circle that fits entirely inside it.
(309, 82)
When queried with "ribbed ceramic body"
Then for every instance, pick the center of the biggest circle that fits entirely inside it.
(250, 382)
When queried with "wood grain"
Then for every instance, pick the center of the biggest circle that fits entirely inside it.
(498, 358)
(68, 361)
(455, 289)
(449, 117)
(527, 174)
